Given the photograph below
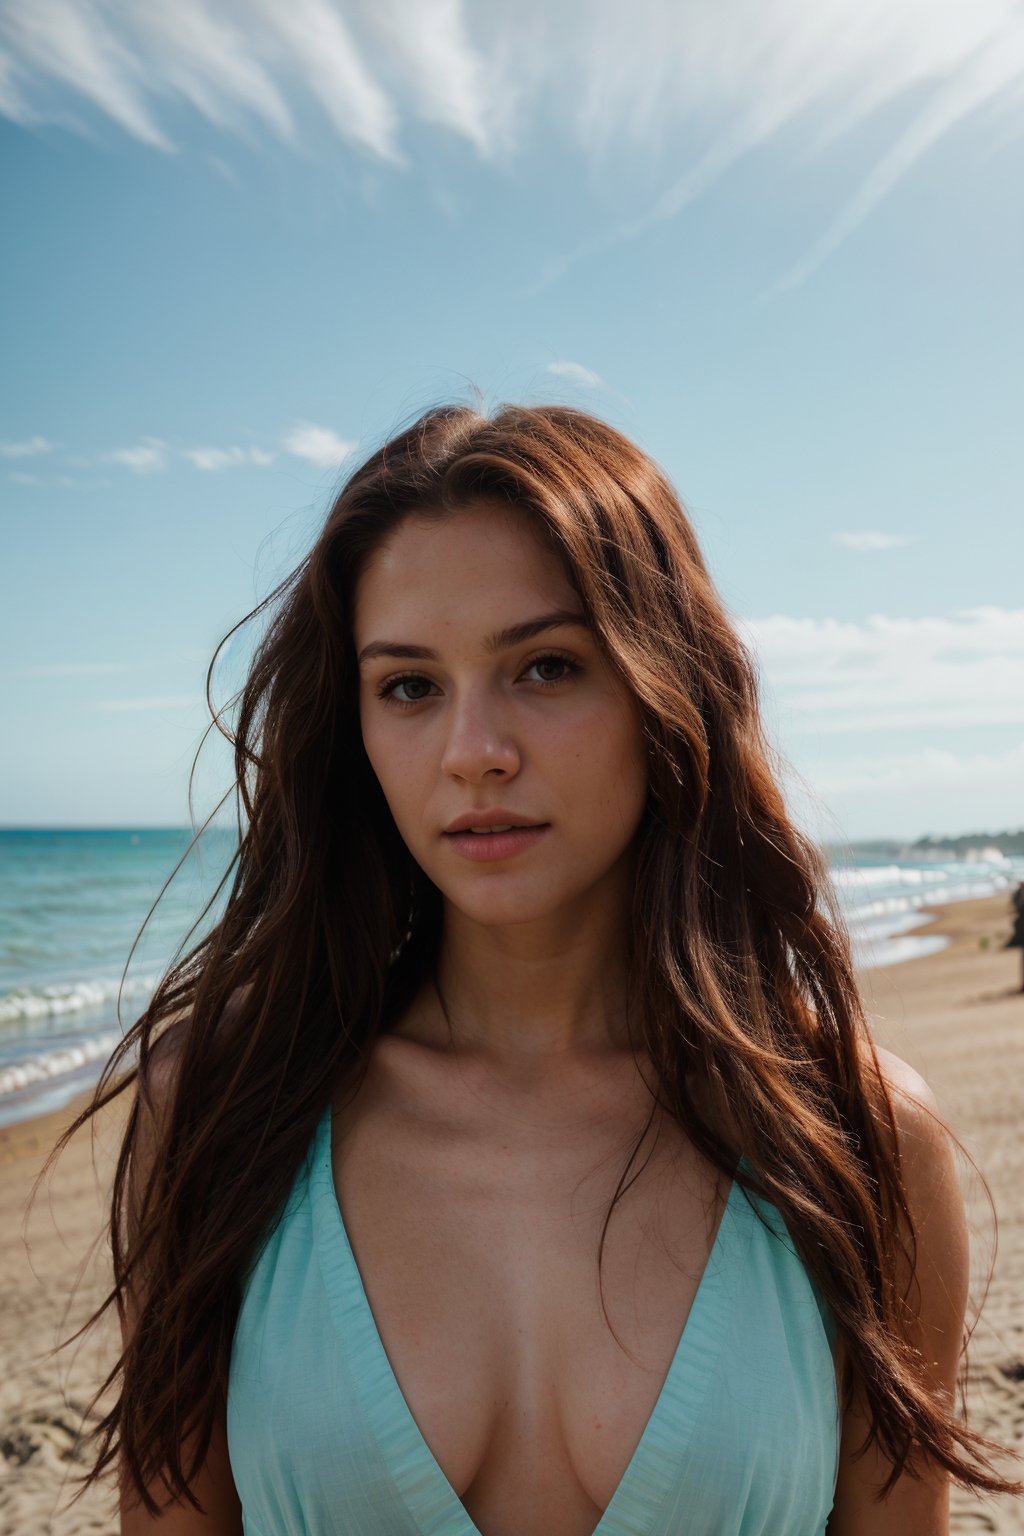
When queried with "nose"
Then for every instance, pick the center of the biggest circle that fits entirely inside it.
(478, 740)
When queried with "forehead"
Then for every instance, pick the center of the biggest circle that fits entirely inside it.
(479, 566)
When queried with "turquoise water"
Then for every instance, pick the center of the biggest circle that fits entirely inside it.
(72, 902)
(71, 905)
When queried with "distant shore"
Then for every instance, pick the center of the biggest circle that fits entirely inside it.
(957, 1015)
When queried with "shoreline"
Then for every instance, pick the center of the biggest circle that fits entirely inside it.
(940, 925)
(955, 1014)
(51, 1076)
(957, 923)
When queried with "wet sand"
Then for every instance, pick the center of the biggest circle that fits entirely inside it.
(957, 1016)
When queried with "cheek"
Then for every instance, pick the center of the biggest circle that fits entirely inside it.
(398, 770)
(606, 763)
(628, 779)
(630, 772)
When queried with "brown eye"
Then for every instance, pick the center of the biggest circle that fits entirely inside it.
(562, 665)
(409, 681)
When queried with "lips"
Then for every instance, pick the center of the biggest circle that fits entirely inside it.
(494, 845)
(487, 821)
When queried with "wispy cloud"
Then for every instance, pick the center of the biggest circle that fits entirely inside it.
(28, 448)
(73, 43)
(721, 82)
(364, 66)
(870, 538)
(926, 768)
(990, 71)
(824, 676)
(145, 458)
(226, 458)
(577, 372)
(305, 440)
(319, 445)
(697, 85)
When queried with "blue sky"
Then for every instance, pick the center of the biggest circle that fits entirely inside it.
(778, 244)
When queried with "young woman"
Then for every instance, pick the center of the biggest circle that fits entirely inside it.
(512, 1157)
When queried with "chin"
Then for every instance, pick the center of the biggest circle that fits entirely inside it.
(500, 908)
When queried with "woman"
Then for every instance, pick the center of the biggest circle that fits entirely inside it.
(518, 907)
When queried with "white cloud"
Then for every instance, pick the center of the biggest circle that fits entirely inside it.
(320, 445)
(575, 371)
(28, 448)
(226, 458)
(823, 676)
(209, 62)
(330, 61)
(449, 81)
(994, 66)
(74, 43)
(363, 65)
(907, 792)
(21, 478)
(871, 539)
(927, 768)
(144, 458)
(11, 104)
(723, 81)
(694, 86)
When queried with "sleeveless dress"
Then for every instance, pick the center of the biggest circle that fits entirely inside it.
(742, 1441)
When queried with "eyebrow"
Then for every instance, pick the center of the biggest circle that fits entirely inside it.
(501, 640)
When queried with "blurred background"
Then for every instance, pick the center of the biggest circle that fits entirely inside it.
(779, 244)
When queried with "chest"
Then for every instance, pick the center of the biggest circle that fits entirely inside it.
(477, 1244)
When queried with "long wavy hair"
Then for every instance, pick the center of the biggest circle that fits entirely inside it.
(740, 963)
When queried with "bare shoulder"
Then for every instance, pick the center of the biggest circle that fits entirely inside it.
(915, 1107)
(903, 1079)
(935, 1270)
(927, 1161)
(906, 1082)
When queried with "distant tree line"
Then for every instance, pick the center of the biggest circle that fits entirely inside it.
(932, 846)
(1006, 842)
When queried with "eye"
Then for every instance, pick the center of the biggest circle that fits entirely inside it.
(406, 680)
(562, 664)
(416, 686)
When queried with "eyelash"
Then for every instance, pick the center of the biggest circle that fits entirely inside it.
(386, 689)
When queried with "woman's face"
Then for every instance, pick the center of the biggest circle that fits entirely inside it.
(462, 715)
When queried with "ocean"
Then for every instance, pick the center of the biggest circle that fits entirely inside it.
(73, 901)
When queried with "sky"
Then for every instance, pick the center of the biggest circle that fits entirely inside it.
(777, 243)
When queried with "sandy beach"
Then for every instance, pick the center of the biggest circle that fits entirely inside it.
(957, 1016)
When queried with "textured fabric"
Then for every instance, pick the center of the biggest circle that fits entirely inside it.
(743, 1439)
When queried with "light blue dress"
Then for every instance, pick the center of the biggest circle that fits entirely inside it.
(743, 1439)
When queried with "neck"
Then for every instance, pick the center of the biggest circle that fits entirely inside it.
(528, 1002)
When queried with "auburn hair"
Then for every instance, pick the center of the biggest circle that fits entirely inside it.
(742, 982)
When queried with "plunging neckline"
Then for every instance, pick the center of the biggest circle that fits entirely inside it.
(652, 1469)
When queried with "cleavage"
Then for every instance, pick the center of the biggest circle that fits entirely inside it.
(479, 1262)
